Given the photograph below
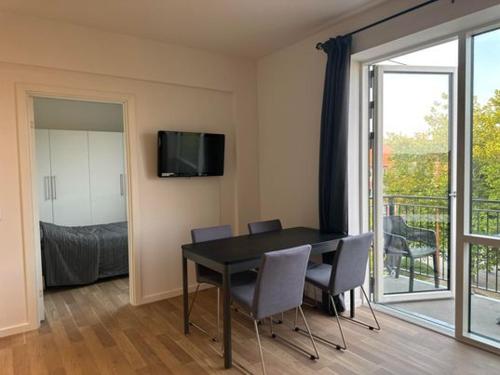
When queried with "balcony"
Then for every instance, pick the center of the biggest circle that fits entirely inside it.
(432, 213)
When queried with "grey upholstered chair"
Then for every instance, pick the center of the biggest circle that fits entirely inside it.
(402, 240)
(278, 287)
(264, 226)
(347, 272)
(205, 275)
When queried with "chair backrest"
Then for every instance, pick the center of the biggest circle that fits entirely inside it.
(264, 226)
(280, 283)
(395, 225)
(209, 234)
(349, 263)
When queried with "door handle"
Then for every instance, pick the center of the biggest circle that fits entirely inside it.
(452, 194)
(46, 188)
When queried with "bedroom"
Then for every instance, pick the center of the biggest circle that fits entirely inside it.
(81, 195)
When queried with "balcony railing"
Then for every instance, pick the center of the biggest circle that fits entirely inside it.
(433, 213)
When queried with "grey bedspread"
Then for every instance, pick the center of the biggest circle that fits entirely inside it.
(82, 255)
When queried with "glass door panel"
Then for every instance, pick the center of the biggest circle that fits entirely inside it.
(484, 172)
(414, 160)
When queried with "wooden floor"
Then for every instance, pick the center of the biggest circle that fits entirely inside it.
(93, 330)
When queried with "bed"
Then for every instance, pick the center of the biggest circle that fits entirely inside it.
(83, 255)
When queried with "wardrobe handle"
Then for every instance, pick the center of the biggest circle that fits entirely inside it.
(121, 184)
(53, 187)
(46, 188)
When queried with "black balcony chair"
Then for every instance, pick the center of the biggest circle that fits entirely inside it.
(402, 240)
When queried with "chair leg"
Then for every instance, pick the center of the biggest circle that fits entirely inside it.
(260, 347)
(344, 345)
(290, 343)
(323, 340)
(216, 339)
(194, 299)
(370, 327)
(271, 327)
(412, 273)
(398, 265)
(309, 332)
(436, 270)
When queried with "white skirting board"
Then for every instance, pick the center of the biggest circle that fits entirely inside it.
(170, 294)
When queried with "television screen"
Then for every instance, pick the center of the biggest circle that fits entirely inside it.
(183, 154)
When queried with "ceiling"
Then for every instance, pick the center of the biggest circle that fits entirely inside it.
(250, 28)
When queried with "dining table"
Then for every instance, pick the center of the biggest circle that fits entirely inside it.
(242, 253)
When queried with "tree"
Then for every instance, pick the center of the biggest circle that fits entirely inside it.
(418, 164)
(486, 149)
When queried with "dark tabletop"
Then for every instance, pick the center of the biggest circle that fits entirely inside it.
(248, 247)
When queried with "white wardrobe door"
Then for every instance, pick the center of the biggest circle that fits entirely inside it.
(107, 180)
(42, 147)
(70, 177)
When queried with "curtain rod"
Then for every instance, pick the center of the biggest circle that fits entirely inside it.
(320, 45)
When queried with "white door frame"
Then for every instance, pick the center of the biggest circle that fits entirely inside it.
(29, 207)
(378, 176)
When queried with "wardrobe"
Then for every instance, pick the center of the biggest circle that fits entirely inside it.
(81, 177)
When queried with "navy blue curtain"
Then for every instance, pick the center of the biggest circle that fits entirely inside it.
(333, 147)
(333, 144)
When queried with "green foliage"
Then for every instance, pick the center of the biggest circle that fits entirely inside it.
(486, 149)
(418, 164)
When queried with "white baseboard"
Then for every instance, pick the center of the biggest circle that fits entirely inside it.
(16, 329)
(169, 294)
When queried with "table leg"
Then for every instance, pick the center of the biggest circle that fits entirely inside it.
(353, 303)
(228, 360)
(185, 294)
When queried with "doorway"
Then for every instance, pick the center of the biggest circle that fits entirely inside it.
(412, 191)
(80, 198)
(417, 186)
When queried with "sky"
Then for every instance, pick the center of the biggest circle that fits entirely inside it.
(409, 97)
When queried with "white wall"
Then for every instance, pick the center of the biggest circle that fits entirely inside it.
(174, 88)
(290, 90)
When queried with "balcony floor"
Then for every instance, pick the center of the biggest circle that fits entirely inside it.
(485, 310)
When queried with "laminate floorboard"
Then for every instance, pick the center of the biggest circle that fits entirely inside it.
(93, 330)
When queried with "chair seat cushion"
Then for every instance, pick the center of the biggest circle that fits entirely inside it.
(209, 276)
(418, 252)
(243, 289)
(312, 264)
(319, 275)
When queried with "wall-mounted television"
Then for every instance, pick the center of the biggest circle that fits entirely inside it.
(185, 154)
